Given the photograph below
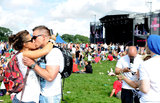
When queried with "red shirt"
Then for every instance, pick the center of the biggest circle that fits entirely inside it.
(117, 86)
(110, 57)
(75, 68)
(86, 45)
(97, 59)
(7, 54)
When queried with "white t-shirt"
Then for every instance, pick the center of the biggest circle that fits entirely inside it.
(105, 46)
(2, 86)
(121, 48)
(68, 45)
(124, 62)
(54, 57)
(89, 58)
(73, 50)
(2, 45)
(32, 87)
(150, 70)
(92, 45)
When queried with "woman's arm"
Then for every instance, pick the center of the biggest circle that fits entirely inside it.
(113, 91)
(83, 69)
(39, 52)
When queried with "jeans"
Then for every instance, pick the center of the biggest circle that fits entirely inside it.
(15, 100)
(50, 99)
(77, 61)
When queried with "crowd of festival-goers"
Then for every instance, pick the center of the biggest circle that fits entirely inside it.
(83, 56)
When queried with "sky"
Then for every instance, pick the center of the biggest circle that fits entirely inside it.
(64, 16)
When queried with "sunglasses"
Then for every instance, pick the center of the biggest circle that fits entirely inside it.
(35, 37)
(29, 40)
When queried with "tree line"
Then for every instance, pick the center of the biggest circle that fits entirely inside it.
(75, 38)
(6, 32)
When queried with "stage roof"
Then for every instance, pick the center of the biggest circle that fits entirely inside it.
(117, 12)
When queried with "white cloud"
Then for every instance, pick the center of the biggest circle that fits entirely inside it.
(74, 16)
(155, 5)
(132, 5)
(17, 20)
(73, 26)
(75, 9)
(1, 9)
(22, 2)
(69, 16)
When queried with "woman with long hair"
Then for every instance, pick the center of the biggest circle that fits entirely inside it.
(24, 44)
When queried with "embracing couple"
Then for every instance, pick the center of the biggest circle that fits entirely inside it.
(45, 62)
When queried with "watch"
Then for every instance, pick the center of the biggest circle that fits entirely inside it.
(33, 65)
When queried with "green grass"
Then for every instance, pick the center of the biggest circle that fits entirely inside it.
(6, 99)
(88, 88)
(91, 88)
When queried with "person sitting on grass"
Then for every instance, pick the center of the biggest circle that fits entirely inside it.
(87, 68)
(110, 57)
(97, 59)
(117, 87)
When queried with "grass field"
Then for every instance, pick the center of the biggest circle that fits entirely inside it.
(88, 88)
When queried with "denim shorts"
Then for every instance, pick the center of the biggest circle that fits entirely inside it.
(15, 100)
(50, 99)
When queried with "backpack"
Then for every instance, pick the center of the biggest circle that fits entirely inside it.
(13, 78)
(68, 63)
(68, 66)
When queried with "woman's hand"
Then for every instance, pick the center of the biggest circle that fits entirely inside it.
(27, 61)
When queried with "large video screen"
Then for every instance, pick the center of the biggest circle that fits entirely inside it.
(99, 32)
(141, 28)
(92, 29)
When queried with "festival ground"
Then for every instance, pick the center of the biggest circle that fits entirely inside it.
(88, 88)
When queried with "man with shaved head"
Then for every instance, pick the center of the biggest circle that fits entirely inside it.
(128, 66)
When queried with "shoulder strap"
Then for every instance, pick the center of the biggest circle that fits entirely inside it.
(25, 80)
(55, 46)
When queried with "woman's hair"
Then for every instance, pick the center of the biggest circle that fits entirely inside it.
(18, 39)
